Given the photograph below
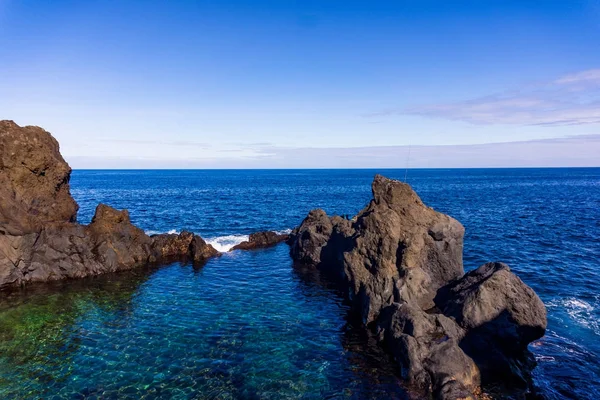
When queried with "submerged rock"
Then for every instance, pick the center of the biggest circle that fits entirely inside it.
(261, 240)
(39, 237)
(400, 263)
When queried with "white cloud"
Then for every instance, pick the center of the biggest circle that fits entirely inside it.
(569, 100)
(589, 76)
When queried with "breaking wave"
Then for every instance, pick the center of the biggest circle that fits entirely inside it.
(580, 311)
(226, 243)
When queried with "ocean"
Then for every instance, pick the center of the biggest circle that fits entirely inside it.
(250, 325)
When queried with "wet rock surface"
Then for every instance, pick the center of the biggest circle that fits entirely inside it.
(261, 240)
(39, 237)
(400, 264)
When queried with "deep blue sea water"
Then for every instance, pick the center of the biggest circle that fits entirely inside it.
(248, 325)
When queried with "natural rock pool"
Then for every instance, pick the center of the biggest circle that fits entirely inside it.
(249, 325)
(245, 325)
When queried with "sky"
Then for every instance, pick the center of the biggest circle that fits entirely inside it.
(306, 84)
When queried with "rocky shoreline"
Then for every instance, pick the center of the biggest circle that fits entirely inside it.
(40, 239)
(398, 262)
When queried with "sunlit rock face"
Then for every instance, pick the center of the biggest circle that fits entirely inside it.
(34, 180)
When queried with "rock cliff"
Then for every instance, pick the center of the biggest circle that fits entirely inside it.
(400, 264)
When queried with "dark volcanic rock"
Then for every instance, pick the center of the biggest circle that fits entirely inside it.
(39, 239)
(170, 246)
(501, 314)
(66, 250)
(401, 264)
(261, 240)
(307, 241)
(396, 249)
(201, 251)
(489, 292)
(427, 349)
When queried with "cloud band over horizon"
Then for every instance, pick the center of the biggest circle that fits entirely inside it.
(575, 151)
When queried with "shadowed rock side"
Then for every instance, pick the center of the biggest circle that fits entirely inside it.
(500, 315)
(39, 238)
(261, 240)
(401, 264)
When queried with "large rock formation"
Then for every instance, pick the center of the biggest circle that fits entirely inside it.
(400, 263)
(395, 249)
(39, 238)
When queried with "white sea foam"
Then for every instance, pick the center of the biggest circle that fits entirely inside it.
(225, 243)
(221, 243)
(580, 311)
(153, 232)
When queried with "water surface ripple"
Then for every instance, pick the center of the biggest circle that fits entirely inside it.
(248, 325)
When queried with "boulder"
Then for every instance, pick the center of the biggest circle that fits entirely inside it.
(396, 249)
(171, 246)
(501, 314)
(261, 240)
(67, 250)
(39, 237)
(426, 347)
(200, 251)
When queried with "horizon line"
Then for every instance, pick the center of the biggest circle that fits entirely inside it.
(330, 169)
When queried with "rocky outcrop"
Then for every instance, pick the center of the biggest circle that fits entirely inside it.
(261, 240)
(400, 263)
(39, 237)
(396, 249)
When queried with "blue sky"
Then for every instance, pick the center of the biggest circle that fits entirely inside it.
(260, 84)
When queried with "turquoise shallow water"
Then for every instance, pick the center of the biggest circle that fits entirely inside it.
(249, 325)
(257, 330)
